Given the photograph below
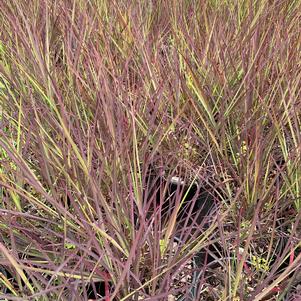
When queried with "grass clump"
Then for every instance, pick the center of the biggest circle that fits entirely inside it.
(102, 103)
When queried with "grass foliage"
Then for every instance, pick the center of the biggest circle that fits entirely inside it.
(95, 94)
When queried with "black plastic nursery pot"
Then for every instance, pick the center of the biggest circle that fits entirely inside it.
(197, 207)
